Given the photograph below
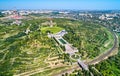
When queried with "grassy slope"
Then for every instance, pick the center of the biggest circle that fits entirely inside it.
(23, 51)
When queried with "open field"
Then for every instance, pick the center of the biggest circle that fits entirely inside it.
(51, 29)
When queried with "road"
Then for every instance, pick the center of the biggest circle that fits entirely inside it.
(67, 71)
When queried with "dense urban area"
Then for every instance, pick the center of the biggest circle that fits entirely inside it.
(59, 42)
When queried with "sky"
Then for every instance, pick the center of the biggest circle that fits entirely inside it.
(61, 4)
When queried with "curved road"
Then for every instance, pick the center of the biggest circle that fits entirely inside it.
(106, 54)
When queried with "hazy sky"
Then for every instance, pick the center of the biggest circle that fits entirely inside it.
(61, 4)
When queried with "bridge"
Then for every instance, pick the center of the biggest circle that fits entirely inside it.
(82, 64)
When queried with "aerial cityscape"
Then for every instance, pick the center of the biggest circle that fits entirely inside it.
(59, 38)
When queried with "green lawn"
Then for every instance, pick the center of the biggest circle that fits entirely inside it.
(51, 29)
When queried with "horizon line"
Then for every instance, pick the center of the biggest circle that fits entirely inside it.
(62, 9)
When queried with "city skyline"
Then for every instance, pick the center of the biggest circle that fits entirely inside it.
(61, 4)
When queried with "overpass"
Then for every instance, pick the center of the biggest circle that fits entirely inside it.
(82, 64)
